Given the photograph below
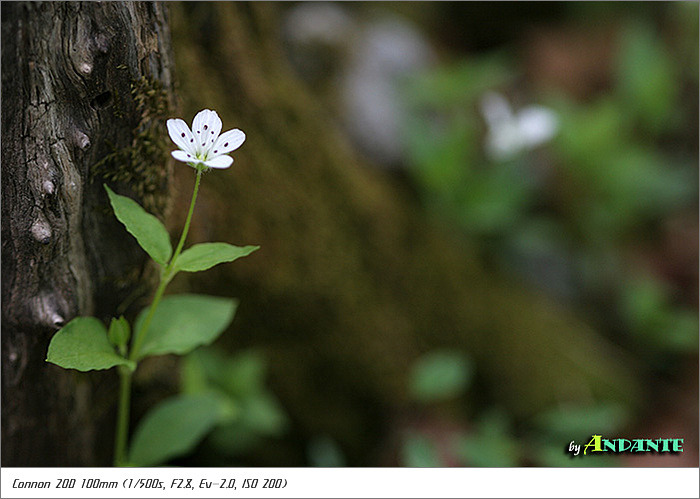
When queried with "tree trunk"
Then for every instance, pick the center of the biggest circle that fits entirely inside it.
(86, 87)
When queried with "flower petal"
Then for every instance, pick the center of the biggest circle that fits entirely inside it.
(183, 156)
(228, 141)
(206, 128)
(180, 134)
(219, 162)
(537, 124)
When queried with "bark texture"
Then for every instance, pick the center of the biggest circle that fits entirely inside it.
(86, 87)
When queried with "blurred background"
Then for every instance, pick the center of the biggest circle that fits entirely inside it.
(478, 227)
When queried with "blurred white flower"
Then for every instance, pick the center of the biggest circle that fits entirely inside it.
(384, 54)
(510, 133)
(318, 22)
(203, 145)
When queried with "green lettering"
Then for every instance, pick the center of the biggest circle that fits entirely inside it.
(609, 445)
(677, 445)
(651, 445)
(637, 445)
(623, 444)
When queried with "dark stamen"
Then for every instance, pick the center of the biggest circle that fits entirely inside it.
(226, 144)
(183, 134)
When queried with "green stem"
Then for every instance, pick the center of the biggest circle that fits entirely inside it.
(138, 340)
(167, 274)
(121, 436)
(187, 222)
(122, 417)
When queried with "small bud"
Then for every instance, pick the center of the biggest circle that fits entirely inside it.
(119, 332)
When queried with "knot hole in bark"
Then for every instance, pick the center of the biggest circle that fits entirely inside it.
(102, 101)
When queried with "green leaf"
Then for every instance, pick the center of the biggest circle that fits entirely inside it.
(206, 255)
(491, 445)
(234, 439)
(682, 332)
(244, 374)
(262, 414)
(419, 452)
(173, 428)
(241, 375)
(324, 452)
(119, 332)
(440, 375)
(203, 368)
(656, 321)
(183, 322)
(458, 85)
(147, 229)
(82, 344)
(574, 422)
(648, 80)
(193, 376)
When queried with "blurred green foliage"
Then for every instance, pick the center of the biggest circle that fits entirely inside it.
(418, 451)
(647, 307)
(440, 375)
(491, 444)
(552, 430)
(577, 422)
(174, 427)
(223, 405)
(567, 214)
(324, 452)
(647, 78)
(239, 380)
(443, 142)
(493, 440)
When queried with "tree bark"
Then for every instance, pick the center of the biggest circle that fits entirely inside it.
(86, 87)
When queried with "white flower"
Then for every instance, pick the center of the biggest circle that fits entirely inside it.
(511, 133)
(203, 144)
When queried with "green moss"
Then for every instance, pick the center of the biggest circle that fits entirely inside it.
(141, 165)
